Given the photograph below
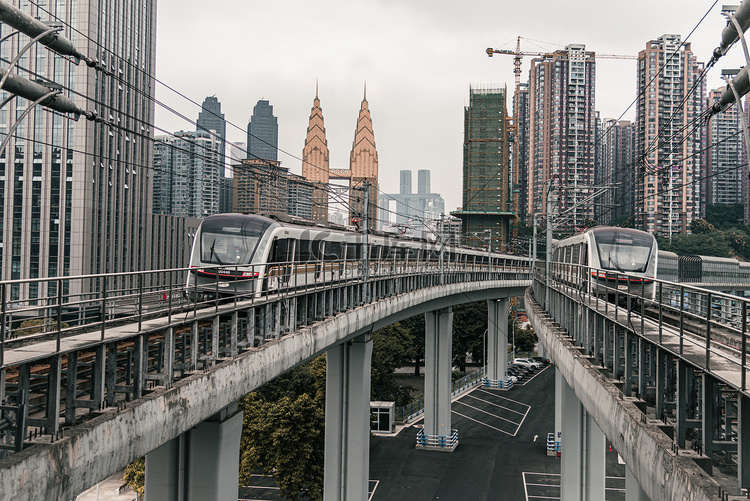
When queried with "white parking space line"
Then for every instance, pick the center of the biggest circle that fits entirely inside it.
(488, 413)
(372, 493)
(483, 424)
(500, 406)
(501, 397)
(527, 484)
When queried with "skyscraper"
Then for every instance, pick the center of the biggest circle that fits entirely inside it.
(667, 187)
(76, 195)
(417, 212)
(263, 133)
(562, 128)
(487, 207)
(315, 160)
(211, 118)
(363, 165)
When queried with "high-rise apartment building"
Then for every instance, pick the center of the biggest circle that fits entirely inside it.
(726, 155)
(521, 143)
(187, 174)
(667, 185)
(562, 128)
(260, 186)
(615, 172)
(75, 195)
(263, 132)
(487, 205)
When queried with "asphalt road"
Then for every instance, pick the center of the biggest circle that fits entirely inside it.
(502, 452)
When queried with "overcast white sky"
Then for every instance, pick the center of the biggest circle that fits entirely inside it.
(418, 57)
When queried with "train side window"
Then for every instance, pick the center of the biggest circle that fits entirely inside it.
(375, 251)
(353, 251)
(305, 253)
(281, 249)
(333, 251)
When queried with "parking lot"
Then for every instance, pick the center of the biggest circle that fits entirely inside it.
(501, 455)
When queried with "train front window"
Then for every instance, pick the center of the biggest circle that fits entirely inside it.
(624, 252)
(229, 244)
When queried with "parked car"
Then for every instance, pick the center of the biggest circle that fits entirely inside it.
(513, 379)
(527, 363)
(516, 372)
(526, 371)
(541, 360)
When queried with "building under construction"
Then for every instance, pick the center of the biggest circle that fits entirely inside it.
(487, 204)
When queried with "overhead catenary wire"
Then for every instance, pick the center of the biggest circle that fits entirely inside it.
(161, 104)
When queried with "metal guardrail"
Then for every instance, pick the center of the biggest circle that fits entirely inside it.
(108, 339)
(723, 316)
(437, 442)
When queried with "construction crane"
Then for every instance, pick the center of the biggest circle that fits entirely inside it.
(518, 54)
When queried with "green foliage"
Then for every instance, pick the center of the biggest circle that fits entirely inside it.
(525, 339)
(701, 227)
(623, 222)
(135, 475)
(284, 437)
(415, 325)
(711, 244)
(36, 325)
(725, 216)
(393, 347)
(469, 324)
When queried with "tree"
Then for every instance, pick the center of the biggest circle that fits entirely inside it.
(393, 347)
(469, 324)
(525, 339)
(701, 227)
(286, 438)
(415, 325)
(135, 476)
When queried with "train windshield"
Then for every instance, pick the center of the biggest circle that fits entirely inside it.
(624, 252)
(230, 242)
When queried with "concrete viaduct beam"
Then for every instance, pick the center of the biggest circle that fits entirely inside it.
(646, 450)
(100, 447)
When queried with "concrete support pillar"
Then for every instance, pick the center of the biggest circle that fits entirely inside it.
(633, 490)
(438, 364)
(595, 461)
(709, 413)
(200, 464)
(572, 460)
(559, 382)
(743, 442)
(347, 433)
(682, 402)
(497, 340)
(661, 376)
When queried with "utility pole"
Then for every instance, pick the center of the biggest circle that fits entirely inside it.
(365, 230)
(549, 242)
(442, 249)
